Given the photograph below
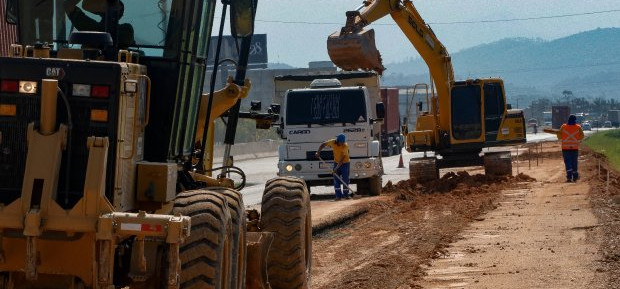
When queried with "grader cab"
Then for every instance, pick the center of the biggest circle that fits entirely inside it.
(99, 114)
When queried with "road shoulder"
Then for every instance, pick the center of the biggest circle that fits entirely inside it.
(538, 235)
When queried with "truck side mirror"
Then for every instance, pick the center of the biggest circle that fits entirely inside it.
(508, 106)
(380, 108)
(242, 17)
(255, 105)
(11, 12)
(275, 108)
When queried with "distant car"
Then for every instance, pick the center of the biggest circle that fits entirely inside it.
(586, 126)
(547, 123)
(607, 124)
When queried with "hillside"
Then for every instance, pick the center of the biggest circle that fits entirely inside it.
(587, 63)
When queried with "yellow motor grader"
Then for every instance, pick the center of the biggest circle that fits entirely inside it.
(102, 184)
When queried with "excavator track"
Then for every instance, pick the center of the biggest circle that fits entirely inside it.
(423, 169)
(498, 163)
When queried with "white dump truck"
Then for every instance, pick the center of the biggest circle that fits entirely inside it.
(316, 108)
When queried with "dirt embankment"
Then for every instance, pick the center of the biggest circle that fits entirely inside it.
(418, 227)
(605, 202)
(387, 246)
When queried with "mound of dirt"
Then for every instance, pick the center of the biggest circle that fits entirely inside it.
(524, 178)
(386, 247)
(460, 181)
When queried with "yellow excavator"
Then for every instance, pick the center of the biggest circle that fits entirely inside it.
(462, 119)
(106, 166)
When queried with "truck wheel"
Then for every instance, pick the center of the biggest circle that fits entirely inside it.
(239, 253)
(385, 152)
(375, 185)
(286, 212)
(362, 186)
(205, 255)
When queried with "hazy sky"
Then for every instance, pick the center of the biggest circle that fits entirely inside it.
(297, 44)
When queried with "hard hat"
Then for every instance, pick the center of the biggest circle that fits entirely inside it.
(572, 119)
(341, 138)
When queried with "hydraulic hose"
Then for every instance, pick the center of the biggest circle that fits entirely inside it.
(65, 100)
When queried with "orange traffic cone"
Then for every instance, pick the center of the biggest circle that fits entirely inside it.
(400, 162)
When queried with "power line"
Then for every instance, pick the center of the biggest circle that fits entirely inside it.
(454, 22)
(536, 69)
(529, 18)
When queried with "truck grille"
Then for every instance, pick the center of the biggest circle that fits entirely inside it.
(325, 155)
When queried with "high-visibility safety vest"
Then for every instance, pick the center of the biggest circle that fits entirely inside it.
(571, 135)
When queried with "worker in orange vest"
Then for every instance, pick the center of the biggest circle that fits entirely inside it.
(571, 134)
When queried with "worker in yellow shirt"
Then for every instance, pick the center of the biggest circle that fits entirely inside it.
(341, 165)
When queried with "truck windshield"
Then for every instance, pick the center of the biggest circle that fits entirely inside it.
(143, 25)
(325, 107)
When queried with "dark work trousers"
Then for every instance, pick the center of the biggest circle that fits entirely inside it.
(570, 161)
(343, 173)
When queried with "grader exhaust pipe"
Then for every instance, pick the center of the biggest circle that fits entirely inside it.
(355, 50)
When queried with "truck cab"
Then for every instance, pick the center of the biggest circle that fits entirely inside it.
(319, 113)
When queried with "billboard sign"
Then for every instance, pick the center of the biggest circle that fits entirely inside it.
(258, 50)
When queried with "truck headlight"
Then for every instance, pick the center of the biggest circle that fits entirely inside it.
(298, 167)
(359, 165)
(367, 165)
(288, 168)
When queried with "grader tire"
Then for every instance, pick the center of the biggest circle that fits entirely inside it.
(239, 253)
(286, 212)
(423, 169)
(205, 255)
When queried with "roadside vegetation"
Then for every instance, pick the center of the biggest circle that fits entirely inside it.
(608, 144)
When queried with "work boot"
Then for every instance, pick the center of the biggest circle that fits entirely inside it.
(337, 199)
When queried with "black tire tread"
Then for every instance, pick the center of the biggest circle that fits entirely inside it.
(203, 251)
(285, 209)
(239, 253)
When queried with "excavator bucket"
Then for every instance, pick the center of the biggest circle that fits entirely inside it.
(353, 51)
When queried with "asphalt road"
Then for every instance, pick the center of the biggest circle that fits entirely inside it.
(259, 170)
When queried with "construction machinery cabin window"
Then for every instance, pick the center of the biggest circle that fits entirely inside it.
(326, 107)
(466, 112)
(147, 26)
(493, 109)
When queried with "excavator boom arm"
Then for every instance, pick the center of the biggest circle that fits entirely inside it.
(354, 47)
